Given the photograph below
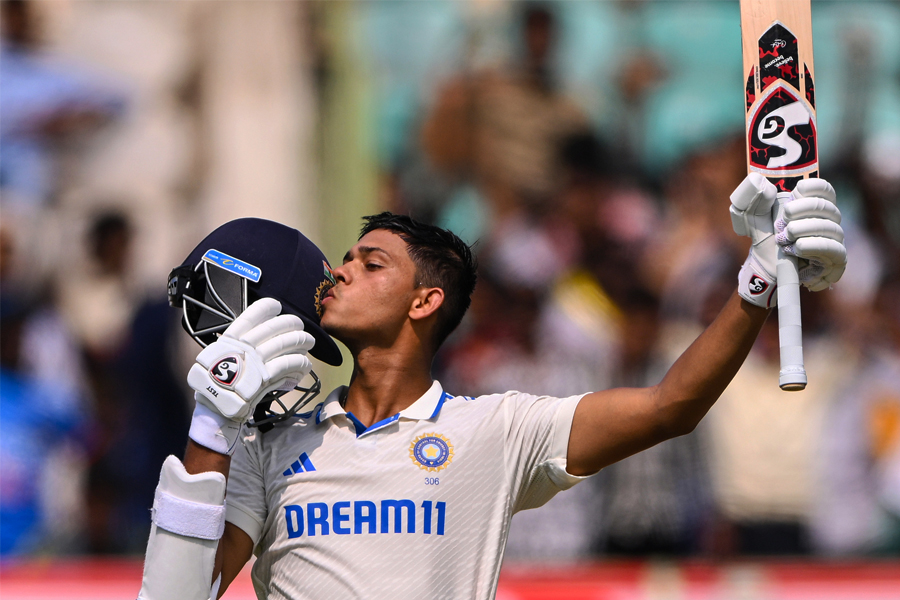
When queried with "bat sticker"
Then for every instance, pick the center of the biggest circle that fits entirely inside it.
(810, 86)
(782, 134)
(778, 57)
(751, 90)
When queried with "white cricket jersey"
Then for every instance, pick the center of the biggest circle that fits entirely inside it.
(416, 506)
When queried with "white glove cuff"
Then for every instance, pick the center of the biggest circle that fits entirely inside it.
(212, 430)
(755, 286)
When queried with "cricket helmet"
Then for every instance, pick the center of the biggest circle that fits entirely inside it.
(245, 260)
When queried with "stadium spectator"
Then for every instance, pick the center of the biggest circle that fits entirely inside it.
(46, 99)
(38, 418)
(500, 129)
(658, 501)
(98, 303)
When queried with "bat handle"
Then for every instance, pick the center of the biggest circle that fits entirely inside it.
(792, 377)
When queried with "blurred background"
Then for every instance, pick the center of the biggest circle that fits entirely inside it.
(587, 149)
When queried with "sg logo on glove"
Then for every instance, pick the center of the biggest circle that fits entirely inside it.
(226, 371)
(758, 285)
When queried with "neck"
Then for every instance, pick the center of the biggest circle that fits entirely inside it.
(386, 381)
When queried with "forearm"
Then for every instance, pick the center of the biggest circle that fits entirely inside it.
(705, 369)
(199, 459)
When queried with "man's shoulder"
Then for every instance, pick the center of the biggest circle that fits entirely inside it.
(484, 401)
(287, 431)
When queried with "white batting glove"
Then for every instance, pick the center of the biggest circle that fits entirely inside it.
(260, 352)
(810, 230)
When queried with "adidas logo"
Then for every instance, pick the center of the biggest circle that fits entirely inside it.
(298, 466)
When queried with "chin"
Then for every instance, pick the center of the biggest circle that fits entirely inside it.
(331, 327)
(325, 323)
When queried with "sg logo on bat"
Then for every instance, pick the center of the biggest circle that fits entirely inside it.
(782, 134)
(781, 120)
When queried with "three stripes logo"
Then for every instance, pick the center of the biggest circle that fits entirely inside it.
(300, 465)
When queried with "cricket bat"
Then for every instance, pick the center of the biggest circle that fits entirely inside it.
(781, 137)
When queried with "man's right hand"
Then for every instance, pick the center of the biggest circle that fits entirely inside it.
(810, 230)
(260, 352)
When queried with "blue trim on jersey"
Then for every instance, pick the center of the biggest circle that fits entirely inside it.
(440, 404)
(357, 424)
(427, 407)
(382, 423)
(362, 429)
(315, 409)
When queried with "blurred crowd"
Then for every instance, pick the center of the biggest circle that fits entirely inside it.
(589, 160)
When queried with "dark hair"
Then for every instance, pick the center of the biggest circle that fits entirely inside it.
(537, 13)
(106, 225)
(442, 260)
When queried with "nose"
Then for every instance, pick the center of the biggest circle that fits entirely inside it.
(341, 273)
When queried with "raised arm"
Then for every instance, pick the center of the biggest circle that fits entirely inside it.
(614, 424)
(192, 554)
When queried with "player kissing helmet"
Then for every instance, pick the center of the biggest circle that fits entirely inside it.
(240, 262)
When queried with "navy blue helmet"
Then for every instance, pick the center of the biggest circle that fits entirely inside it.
(242, 261)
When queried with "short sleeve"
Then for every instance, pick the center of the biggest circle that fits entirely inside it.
(536, 447)
(245, 499)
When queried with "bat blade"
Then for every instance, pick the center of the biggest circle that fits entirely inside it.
(781, 137)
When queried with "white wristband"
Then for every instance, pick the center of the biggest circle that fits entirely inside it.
(212, 430)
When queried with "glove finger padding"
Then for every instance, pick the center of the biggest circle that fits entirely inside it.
(292, 367)
(754, 195)
(826, 259)
(259, 312)
(292, 342)
(271, 328)
(815, 188)
(821, 248)
(811, 231)
(232, 375)
(751, 207)
(803, 208)
(811, 227)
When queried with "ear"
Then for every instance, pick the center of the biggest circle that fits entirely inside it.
(425, 303)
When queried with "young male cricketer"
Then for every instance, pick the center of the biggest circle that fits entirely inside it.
(392, 488)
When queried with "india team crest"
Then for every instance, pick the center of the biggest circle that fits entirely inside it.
(323, 288)
(431, 452)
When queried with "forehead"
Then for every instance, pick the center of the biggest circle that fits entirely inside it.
(382, 241)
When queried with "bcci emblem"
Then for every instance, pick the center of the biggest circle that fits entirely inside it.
(323, 288)
(431, 452)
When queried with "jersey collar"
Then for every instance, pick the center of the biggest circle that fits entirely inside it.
(428, 406)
